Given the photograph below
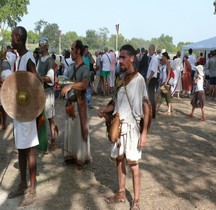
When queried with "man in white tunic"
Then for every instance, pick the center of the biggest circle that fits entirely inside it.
(25, 133)
(131, 102)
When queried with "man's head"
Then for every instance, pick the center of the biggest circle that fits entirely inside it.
(105, 49)
(9, 48)
(18, 37)
(43, 45)
(190, 51)
(151, 49)
(127, 57)
(85, 53)
(77, 50)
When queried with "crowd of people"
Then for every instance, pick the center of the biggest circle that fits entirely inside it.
(137, 81)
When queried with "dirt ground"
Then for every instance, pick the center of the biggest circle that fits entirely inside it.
(178, 166)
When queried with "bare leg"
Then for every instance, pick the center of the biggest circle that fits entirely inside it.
(192, 112)
(136, 181)
(4, 115)
(22, 165)
(203, 114)
(30, 194)
(169, 108)
(32, 167)
(104, 85)
(121, 171)
(20, 190)
(108, 85)
(53, 132)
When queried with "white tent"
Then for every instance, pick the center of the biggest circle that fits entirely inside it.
(205, 45)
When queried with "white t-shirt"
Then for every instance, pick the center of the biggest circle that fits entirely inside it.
(192, 60)
(106, 61)
(199, 85)
(11, 57)
(153, 66)
(67, 62)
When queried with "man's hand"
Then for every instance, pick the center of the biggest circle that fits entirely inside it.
(66, 89)
(142, 141)
(100, 113)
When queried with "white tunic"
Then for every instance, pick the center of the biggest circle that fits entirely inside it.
(25, 132)
(136, 90)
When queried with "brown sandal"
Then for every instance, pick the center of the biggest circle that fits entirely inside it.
(29, 198)
(52, 146)
(135, 205)
(119, 197)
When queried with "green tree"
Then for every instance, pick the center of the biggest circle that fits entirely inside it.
(40, 25)
(138, 43)
(32, 37)
(68, 38)
(103, 36)
(164, 42)
(112, 41)
(181, 44)
(92, 39)
(11, 12)
(51, 31)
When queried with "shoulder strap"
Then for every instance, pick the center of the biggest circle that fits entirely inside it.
(75, 70)
(108, 58)
(66, 62)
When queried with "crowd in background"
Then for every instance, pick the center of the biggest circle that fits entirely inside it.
(84, 74)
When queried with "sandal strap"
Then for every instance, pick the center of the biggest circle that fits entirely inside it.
(135, 205)
(119, 197)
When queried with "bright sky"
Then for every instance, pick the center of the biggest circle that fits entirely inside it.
(184, 20)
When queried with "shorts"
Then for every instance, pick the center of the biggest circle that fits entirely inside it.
(105, 73)
(198, 100)
(212, 80)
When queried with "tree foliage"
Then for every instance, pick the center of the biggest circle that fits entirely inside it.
(40, 25)
(103, 36)
(164, 42)
(11, 12)
(68, 38)
(32, 37)
(92, 39)
(51, 31)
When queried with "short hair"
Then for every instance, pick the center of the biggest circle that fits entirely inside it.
(67, 54)
(36, 51)
(178, 54)
(129, 48)
(190, 51)
(53, 56)
(165, 54)
(22, 33)
(152, 46)
(79, 45)
(85, 47)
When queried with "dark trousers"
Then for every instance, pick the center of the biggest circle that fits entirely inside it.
(151, 94)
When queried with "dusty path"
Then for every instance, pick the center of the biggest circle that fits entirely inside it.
(178, 166)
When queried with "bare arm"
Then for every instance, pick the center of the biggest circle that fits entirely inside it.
(76, 86)
(147, 122)
(168, 72)
(31, 68)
